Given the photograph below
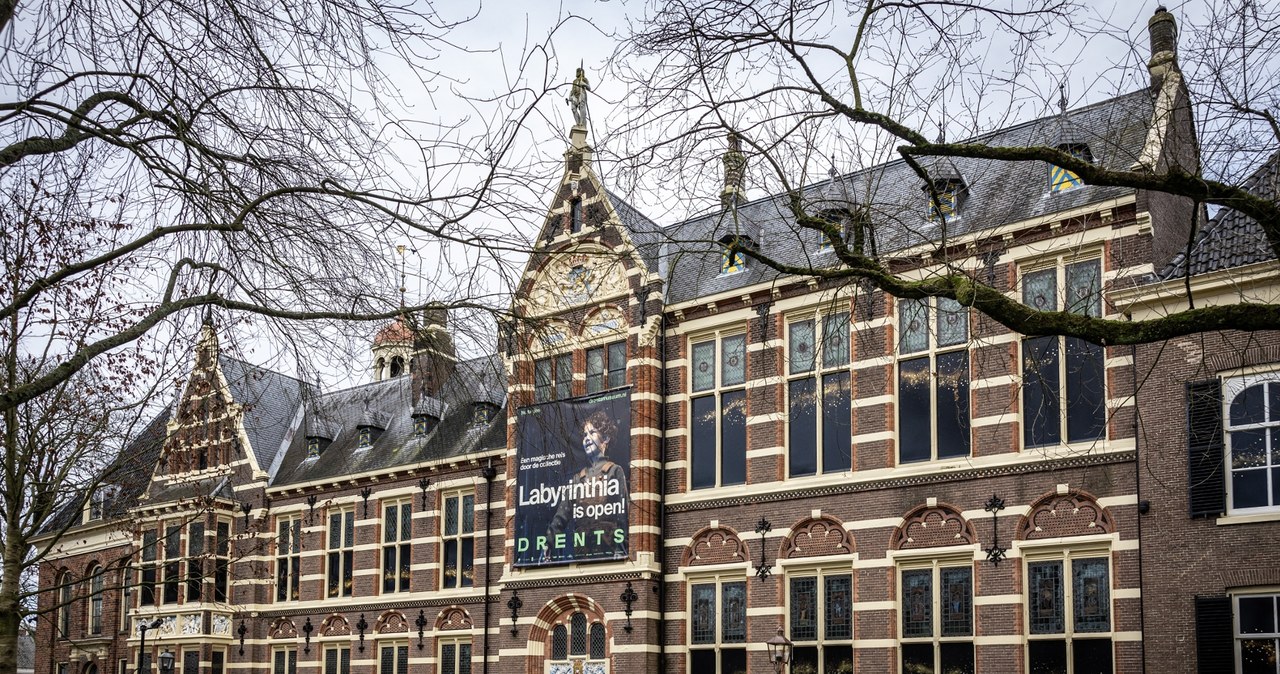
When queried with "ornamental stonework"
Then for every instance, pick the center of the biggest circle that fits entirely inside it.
(817, 537)
(714, 546)
(933, 528)
(1074, 514)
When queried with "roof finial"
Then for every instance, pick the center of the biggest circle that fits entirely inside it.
(400, 249)
(1062, 98)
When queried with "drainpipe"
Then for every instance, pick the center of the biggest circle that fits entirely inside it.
(489, 472)
(662, 494)
(1137, 481)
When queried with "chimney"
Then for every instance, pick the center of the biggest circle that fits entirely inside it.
(1164, 46)
(735, 168)
(434, 358)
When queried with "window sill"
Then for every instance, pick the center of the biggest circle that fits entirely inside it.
(1228, 520)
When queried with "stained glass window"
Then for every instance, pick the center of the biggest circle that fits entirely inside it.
(804, 609)
(734, 600)
(953, 322)
(957, 601)
(913, 325)
(704, 614)
(838, 612)
(1040, 289)
(801, 346)
(732, 262)
(835, 340)
(1091, 592)
(1084, 288)
(1061, 179)
(704, 366)
(917, 603)
(734, 360)
(1044, 583)
(559, 643)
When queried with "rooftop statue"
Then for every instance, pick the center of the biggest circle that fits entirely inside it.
(577, 99)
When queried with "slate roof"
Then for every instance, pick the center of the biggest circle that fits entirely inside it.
(478, 380)
(129, 474)
(270, 401)
(999, 192)
(1230, 239)
(646, 235)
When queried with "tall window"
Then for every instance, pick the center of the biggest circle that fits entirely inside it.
(821, 615)
(1257, 632)
(1069, 614)
(1063, 378)
(606, 367)
(195, 561)
(172, 562)
(96, 575)
(147, 570)
(933, 379)
(718, 627)
(1253, 443)
(393, 659)
(218, 661)
(284, 661)
(937, 619)
(337, 660)
(553, 378)
(64, 603)
(818, 394)
(455, 656)
(222, 560)
(458, 540)
(288, 558)
(397, 537)
(191, 661)
(342, 532)
(577, 646)
(718, 411)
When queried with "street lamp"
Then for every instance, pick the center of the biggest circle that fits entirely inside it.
(166, 663)
(779, 651)
(142, 645)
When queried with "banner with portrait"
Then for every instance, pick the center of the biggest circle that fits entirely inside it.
(573, 475)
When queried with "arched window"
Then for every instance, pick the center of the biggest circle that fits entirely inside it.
(397, 366)
(1253, 420)
(378, 367)
(578, 647)
(64, 604)
(95, 599)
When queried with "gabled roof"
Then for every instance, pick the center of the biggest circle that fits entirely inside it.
(270, 401)
(999, 193)
(1231, 238)
(481, 380)
(645, 234)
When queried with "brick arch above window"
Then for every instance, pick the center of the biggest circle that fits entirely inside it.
(391, 622)
(933, 527)
(714, 545)
(817, 537)
(453, 618)
(283, 628)
(1075, 513)
(554, 612)
(335, 626)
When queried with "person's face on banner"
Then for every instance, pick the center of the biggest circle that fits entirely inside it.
(594, 443)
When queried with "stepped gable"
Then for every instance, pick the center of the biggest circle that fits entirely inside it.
(999, 193)
(271, 401)
(1231, 238)
(477, 380)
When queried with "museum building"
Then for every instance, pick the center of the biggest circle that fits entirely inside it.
(678, 453)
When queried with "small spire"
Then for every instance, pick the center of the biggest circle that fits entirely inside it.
(735, 167)
(400, 249)
(1062, 98)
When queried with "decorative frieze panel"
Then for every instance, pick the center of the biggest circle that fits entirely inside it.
(1073, 514)
(714, 546)
(817, 537)
(933, 527)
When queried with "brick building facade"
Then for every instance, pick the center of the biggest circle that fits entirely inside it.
(898, 485)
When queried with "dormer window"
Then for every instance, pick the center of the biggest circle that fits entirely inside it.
(1060, 179)
(364, 437)
(98, 501)
(423, 424)
(945, 198)
(733, 261)
(483, 413)
(835, 216)
(313, 448)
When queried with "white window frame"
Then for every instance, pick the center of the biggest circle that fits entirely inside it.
(1065, 555)
(1059, 264)
(400, 545)
(95, 623)
(821, 642)
(345, 550)
(935, 564)
(1232, 387)
(1237, 636)
(338, 650)
(397, 665)
(459, 537)
(717, 391)
(819, 370)
(931, 352)
(719, 645)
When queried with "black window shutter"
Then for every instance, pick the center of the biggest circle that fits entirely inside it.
(1215, 647)
(1206, 486)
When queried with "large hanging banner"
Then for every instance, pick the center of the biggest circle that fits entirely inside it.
(573, 468)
